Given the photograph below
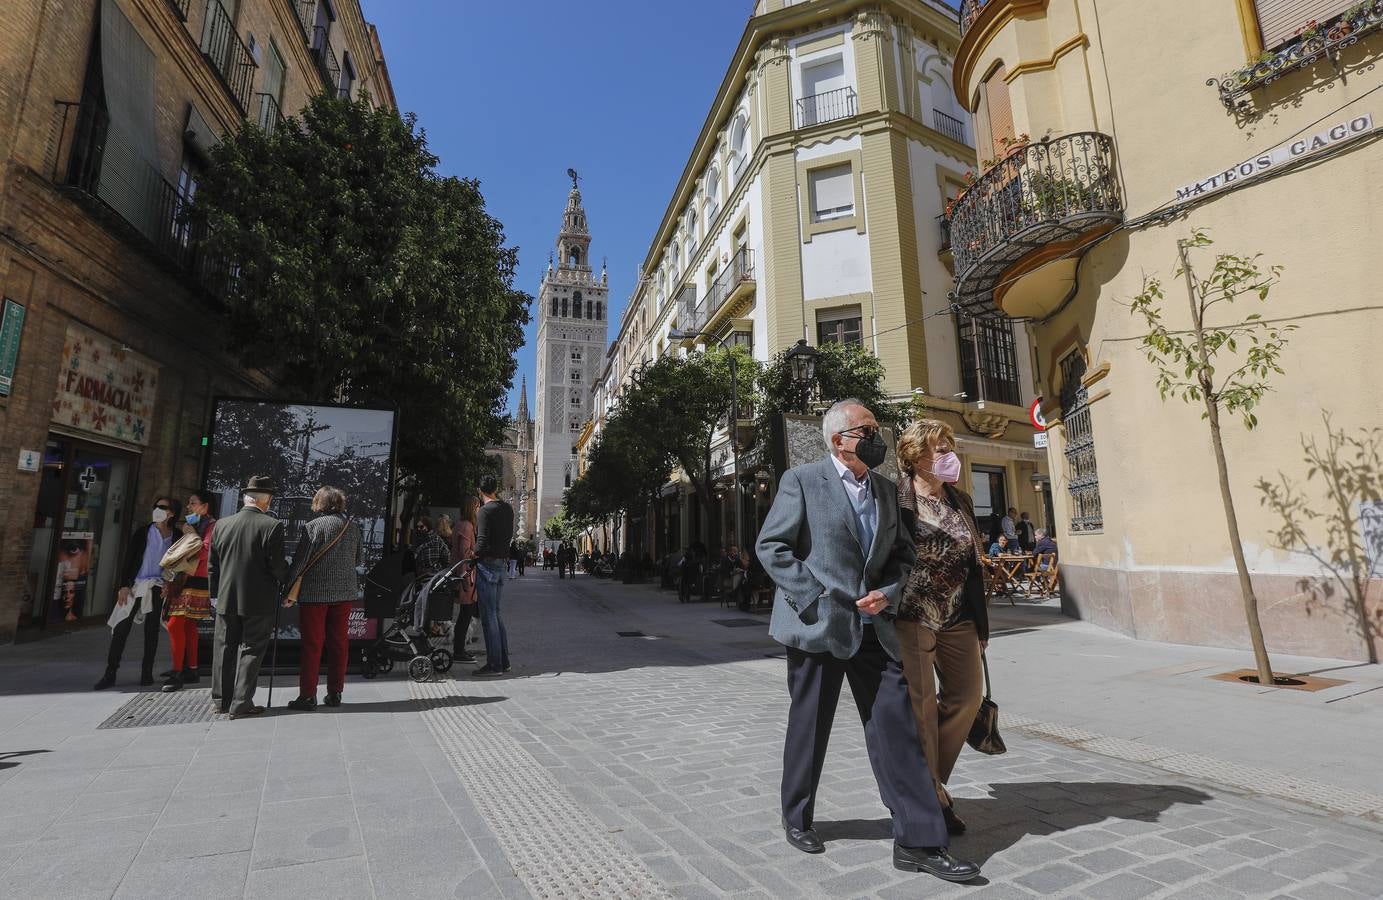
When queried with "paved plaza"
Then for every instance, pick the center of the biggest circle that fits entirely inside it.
(645, 764)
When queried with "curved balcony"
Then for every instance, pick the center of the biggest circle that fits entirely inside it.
(1019, 230)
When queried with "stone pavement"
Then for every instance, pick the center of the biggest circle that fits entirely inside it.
(646, 766)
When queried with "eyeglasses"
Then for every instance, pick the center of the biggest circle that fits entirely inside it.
(863, 432)
(163, 506)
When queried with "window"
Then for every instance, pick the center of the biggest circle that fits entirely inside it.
(188, 176)
(599, 312)
(999, 111)
(739, 141)
(574, 258)
(743, 339)
(998, 360)
(576, 356)
(826, 94)
(1082, 476)
(554, 306)
(590, 309)
(712, 195)
(1280, 20)
(839, 328)
(564, 306)
(575, 425)
(832, 193)
(347, 76)
(575, 400)
(691, 237)
(575, 376)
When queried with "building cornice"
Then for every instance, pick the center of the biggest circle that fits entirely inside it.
(988, 23)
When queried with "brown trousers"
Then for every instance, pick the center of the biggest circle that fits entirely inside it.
(952, 657)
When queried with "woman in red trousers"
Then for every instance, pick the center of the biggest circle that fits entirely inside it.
(329, 551)
(190, 604)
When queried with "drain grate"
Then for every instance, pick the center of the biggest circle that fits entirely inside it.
(183, 707)
(739, 623)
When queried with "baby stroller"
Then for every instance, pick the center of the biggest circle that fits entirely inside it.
(407, 637)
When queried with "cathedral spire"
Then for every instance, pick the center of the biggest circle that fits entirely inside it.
(523, 400)
(574, 240)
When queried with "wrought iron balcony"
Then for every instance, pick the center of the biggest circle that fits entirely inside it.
(950, 126)
(180, 8)
(729, 285)
(269, 115)
(828, 107)
(307, 15)
(944, 228)
(969, 11)
(1303, 51)
(1060, 190)
(228, 54)
(106, 171)
(325, 58)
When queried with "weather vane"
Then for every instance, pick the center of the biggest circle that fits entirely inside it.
(571, 173)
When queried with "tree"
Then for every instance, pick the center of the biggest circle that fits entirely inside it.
(1351, 475)
(562, 527)
(1186, 368)
(360, 273)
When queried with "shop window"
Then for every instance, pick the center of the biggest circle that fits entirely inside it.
(1082, 476)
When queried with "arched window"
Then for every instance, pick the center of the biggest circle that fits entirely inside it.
(575, 256)
(712, 195)
(662, 289)
(576, 304)
(590, 310)
(564, 306)
(554, 306)
(599, 313)
(691, 236)
(739, 145)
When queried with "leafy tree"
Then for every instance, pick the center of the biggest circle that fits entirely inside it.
(360, 273)
(562, 527)
(1186, 363)
(1351, 474)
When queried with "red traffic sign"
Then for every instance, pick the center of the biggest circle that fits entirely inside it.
(1035, 415)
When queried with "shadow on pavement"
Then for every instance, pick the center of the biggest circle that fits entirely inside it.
(6, 756)
(1013, 811)
(393, 706)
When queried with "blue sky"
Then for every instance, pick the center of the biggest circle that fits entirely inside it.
(515, 93)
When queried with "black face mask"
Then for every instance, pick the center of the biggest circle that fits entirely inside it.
(871, 450)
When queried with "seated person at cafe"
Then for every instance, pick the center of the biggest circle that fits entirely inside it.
(1000, 546)
(1044, 543)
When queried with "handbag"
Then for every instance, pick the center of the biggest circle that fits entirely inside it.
(297, 586)
(984, 733)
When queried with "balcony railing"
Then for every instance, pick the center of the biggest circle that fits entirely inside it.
(950, 126)
(325, 58)
(179, 8)
(228, 54)
(93, 160)
(969, 11)
(269, 115)
(740, 271)
(1055, 190)
(1301, 52)
(827, 107)
(307, 15)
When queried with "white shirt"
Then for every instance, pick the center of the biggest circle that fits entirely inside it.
(856, 489)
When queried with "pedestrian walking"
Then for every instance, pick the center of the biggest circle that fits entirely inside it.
(520, 555)
(493, 532)
(324, 584)
(943, 620)
(189, 601)
(139, 599)
(246, 572)
(1026, 539)
(835, 545)
(463, 547)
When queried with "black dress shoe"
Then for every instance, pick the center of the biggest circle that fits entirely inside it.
(333, 700)
(804, 839)
(174, 683)
(486, 672)
(934, 861)
(106, 681)
(954, 823)
(191, 677)
(166, 673)
(465, 656)
(303, 704)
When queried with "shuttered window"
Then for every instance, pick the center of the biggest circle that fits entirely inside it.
(1279, 20)
(999, 110)
(833, 193)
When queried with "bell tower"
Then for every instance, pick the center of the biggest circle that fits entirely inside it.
(572, 320)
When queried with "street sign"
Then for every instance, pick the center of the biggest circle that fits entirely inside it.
(29, 460)
(1039, 439)
(11, 327)
(1035, 416)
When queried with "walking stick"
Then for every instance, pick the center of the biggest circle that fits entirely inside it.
(275, 663)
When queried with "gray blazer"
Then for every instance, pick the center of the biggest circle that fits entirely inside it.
(333, 579)
(809, 546)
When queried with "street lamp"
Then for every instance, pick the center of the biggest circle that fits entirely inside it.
(678, 334)
(802, 361)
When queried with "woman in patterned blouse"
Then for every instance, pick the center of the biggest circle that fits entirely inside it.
(943, 623)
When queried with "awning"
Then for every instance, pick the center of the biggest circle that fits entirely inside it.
(998, 449)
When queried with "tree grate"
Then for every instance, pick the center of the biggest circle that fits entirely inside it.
(184, 707)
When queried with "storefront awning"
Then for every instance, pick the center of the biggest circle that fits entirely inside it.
(970, 446)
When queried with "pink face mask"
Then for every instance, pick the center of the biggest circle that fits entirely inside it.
(946, 467)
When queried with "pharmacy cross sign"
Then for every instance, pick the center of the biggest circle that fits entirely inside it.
(87, 478)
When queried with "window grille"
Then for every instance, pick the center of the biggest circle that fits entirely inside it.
(1082, 477)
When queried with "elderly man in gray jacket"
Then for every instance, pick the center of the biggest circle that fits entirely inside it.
(836, 548)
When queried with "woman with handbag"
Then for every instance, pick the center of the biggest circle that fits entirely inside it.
(943, 622)
(324, 582)
(188, 601)
(463, 547)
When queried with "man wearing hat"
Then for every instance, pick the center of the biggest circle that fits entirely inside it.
(246, 570)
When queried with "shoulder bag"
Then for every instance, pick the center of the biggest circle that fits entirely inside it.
(297, 586)
(984, 733)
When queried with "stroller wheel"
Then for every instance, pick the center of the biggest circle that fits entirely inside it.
(441, 659)
(420, 669)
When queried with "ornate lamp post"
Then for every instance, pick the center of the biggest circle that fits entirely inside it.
(802, 360)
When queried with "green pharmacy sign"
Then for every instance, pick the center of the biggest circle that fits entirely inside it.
(11, 328)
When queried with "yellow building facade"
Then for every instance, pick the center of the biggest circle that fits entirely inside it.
(811, 208)
(1112, 130)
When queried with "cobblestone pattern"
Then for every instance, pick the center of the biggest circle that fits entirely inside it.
(682, 762)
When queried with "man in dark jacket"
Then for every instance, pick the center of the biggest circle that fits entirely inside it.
(141, 584)
(246, 571)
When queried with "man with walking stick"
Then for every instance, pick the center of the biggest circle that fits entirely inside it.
(246, 569)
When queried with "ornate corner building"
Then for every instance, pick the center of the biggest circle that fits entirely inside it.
(572, 310)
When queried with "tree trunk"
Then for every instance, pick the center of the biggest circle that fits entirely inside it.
(1212, 412)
